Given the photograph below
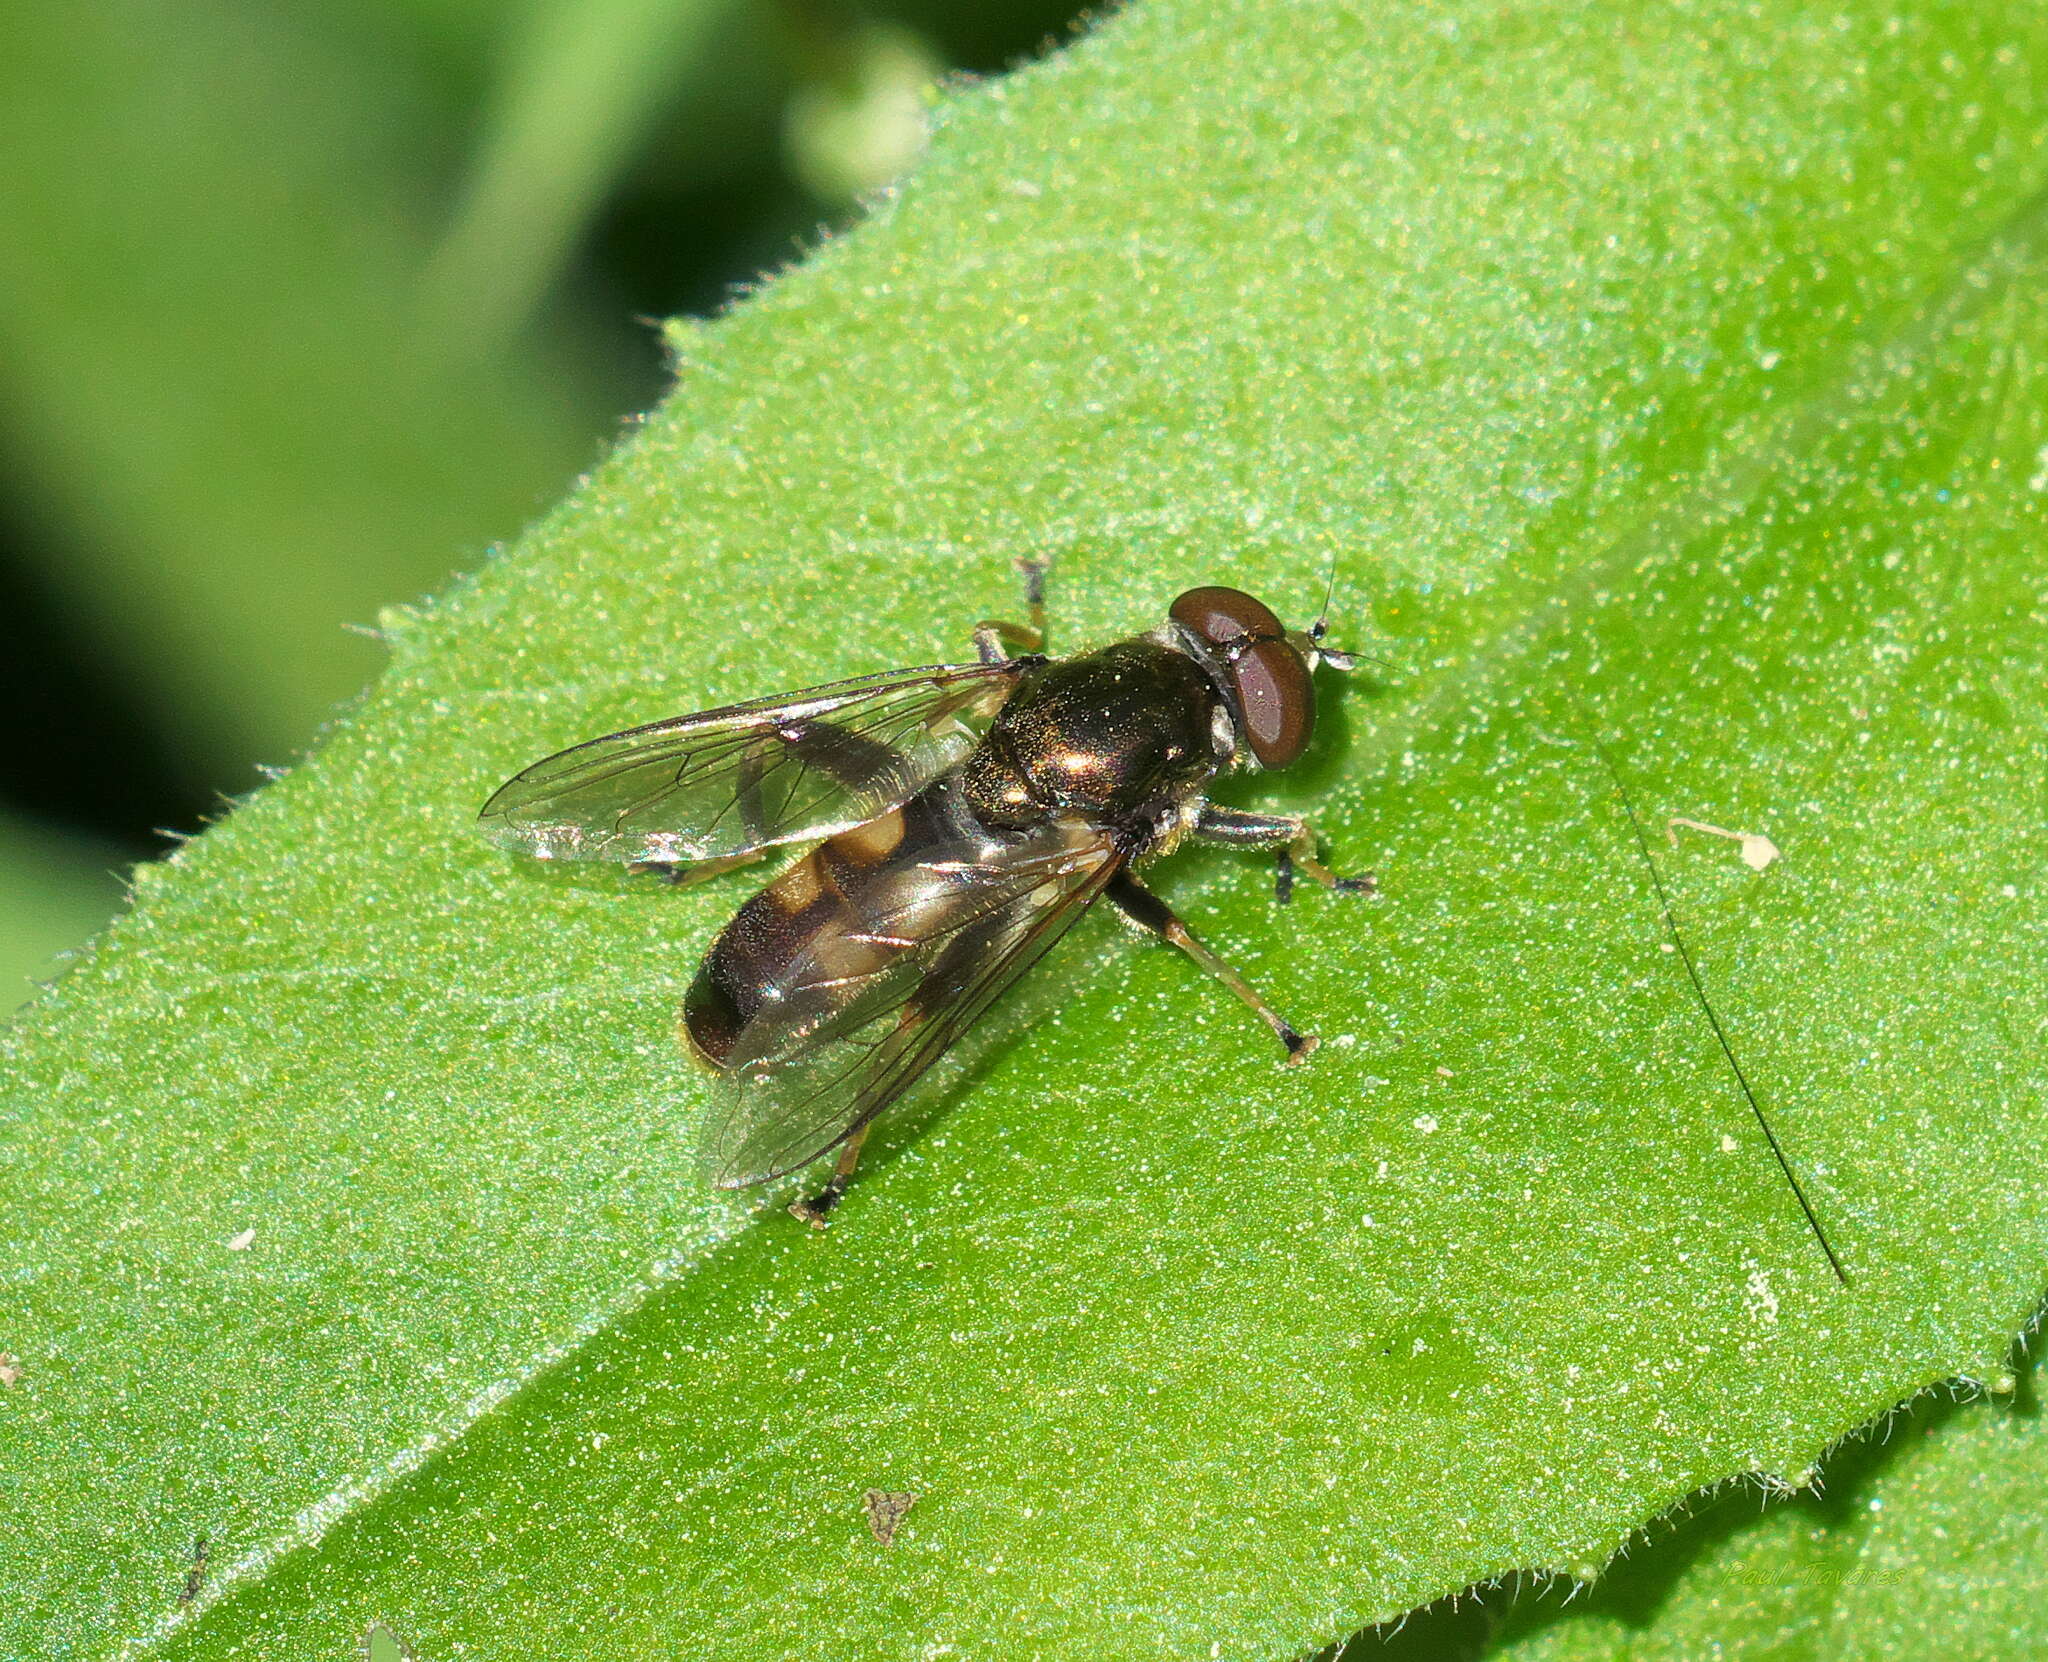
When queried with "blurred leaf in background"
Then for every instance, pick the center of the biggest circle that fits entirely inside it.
(302, 307)
(55, 890)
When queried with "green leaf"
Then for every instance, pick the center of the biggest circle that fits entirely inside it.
(380, 1644)
(1930, 1527)
(1666, 375)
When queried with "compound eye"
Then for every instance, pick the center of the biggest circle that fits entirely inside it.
(1278, 698)
(1222, 616)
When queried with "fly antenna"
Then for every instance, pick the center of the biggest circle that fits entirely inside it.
(1316, 630)
(1322, 622)
(1699, 989)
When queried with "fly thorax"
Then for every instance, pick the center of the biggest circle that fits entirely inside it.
(1106, 733)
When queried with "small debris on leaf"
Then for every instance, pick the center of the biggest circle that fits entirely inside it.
(1758, 851)
(196, 1574)
(885, 1511)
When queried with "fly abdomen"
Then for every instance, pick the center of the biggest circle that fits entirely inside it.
(835, 919)
(751, 953)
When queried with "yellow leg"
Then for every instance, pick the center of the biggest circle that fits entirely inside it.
(992, 634)
(1142, 906)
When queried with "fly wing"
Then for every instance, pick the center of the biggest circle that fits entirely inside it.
(728, 781)
(862, 1012)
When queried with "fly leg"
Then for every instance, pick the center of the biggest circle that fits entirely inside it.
(992, 636)
(1292, 835)
(1145, 908)
(684, 874)
(814, 1210)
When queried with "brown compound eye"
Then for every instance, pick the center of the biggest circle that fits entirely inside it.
(1221, 616)
(1274, 690)
(1279, 702)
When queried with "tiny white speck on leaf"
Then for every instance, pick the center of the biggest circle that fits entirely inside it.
(242, 1242)
(1425, 1123)
(1757, 850)
(1763, 1303)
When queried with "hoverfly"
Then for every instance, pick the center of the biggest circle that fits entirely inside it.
(964, 814)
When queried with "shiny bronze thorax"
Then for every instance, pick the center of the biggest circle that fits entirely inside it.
(1115, 735)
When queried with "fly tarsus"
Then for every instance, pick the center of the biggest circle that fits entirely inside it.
(818, 1207)
(1147, 910)
(993, 635)
(1292, 836)
(683, 874)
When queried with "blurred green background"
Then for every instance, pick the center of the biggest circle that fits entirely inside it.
(305, 305)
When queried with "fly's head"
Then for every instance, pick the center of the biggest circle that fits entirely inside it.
(1264, 672)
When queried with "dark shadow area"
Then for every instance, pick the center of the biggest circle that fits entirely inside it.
(1454, 1629)
(984, 40)
(681, 238)
(82, 748)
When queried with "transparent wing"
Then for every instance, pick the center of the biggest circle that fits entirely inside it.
(728, 781)
(864, 1011)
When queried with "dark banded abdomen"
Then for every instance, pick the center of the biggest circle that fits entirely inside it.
(824, 905)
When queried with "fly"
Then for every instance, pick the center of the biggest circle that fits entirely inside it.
(964, 816)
